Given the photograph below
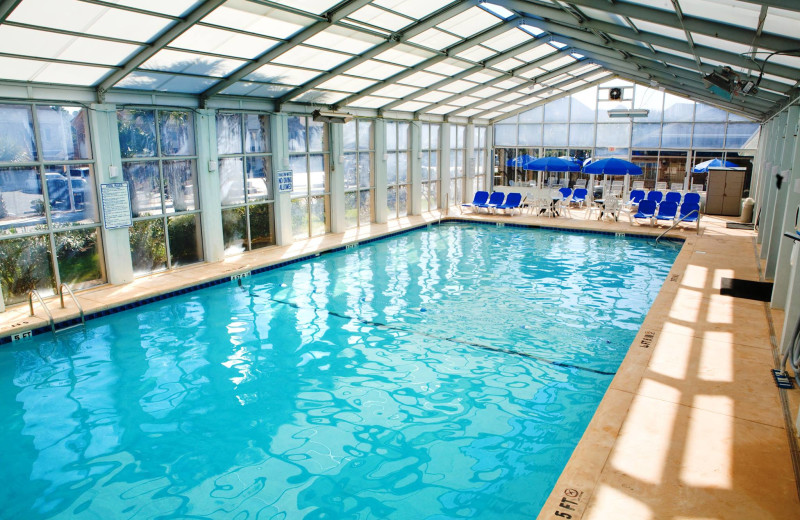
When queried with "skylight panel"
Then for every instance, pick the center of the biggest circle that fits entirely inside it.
(433, 97)
(284, 75)
(789, 61)
(510, 63)
(509, 83)
(464, 101)
(378, 17)
(404, 55)
(536, 53)
(674, 53)
(347, 84)
(476, 53)
(780, 79)
(435, 39)
(663, 30)
(311, 58)
(573, 85)
(508, 39)
(510, 97)
(256, 18)
(422, 79)
(370, 102)
(219, 41)
(448, 67)
(486, 92)
(489, 105)
(531, 29)
(178, 61)
(81, 17)
(321, 96)
(18, 69)
(172, 7)
(498, 10)
(43, 44)
(270, 91)
(483, 76)
(342, 39)
(492, 115)
(470, 112)
(444, 109)
(729, 12)
(375, 70)
(557, 44)
(529, 100)
(603, 16)
(413, 8)
(718, 43)
(165, 82)
(142, 80)
(458, 86)
(470, 22)
(241, 88)
(534, 72)
(664, 5)
(560, 62)
(782, 22)
(396, 91)
(410, 106)
(310, 6)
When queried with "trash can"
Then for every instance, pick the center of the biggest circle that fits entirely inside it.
(747, 210)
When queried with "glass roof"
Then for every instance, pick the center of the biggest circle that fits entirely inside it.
(463, 59)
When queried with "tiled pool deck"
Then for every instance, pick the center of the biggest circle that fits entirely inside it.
(692, 426)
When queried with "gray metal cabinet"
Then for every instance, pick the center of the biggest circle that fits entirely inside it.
(724, 192)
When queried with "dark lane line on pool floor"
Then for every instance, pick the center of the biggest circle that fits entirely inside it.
(453, 339)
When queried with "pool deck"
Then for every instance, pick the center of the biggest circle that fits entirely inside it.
(692, 426)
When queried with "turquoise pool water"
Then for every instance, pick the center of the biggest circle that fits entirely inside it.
(443, 373)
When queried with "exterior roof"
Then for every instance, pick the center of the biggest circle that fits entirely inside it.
(454, 59)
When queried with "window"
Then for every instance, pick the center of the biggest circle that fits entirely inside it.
(245, 181)
(309, 153)
(480, 156)
(457, 173)
(429, 145)
(159, 164)
(359, 173)
(398, 182)
(49, 219)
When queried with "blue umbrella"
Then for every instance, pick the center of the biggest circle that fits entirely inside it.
(612, 166)
(520, 162)
(571, 159)
(553, 164)
(713, 163)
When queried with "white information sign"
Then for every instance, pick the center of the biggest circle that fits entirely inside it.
(285, 180)
(116, 205)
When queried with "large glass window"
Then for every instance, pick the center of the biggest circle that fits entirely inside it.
(309, 157)
(457, 173)
(359, 173)
(49, 221)
(480, 154)
(398, 180)
(245, 181)
(429, 145)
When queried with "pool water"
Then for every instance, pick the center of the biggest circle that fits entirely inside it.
(444, 373)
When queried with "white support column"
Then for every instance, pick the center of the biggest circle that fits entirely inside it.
(785, 220)
(443, 169)
(414, 144)
(105, 143)
(338, 224)
(469, 167)
(279, 141)
(489, 181)
(778, 209)
(792, 300)
(764, 146)
(381, 210)
(767, 212)
(758, 166)
(208, 184)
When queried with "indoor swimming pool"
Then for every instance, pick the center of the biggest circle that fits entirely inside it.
(447, 372)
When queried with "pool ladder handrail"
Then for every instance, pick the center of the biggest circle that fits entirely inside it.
(33, 293)
(678, 222)
(77, 303)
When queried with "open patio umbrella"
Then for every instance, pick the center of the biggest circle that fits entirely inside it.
(552, 164)
(613, 166)
(520, 161)
(713, 163)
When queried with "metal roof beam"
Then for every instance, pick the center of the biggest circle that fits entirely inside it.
(6, 7)
(170, 34)
(331, 18)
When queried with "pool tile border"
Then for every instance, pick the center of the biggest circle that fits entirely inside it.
(72, 322)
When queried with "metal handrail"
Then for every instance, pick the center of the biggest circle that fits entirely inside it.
(678, 222)
(33, 293)
(77, 304)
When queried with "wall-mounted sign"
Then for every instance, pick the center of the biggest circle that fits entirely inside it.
(284, 180)
(116, 205)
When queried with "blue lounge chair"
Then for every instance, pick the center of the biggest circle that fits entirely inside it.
(513, 201)
(692, 197)
(565, 192)
(690, 212)
(646, 210)
(579, 196)
(636, 197)
(480, 198)
(673, 196)
(655, 196)
(495, 199)
(667, 210)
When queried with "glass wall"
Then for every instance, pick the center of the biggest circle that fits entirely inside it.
(398, 180)
(49, 219)
(245, 181)
(309, 152)
(359, 176)
(458, 153)
(429, 145)
(665, 142)
(480, 154)
(159, 164)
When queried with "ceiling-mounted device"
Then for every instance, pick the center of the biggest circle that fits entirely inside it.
(725, 83)
(625, 112)
(321, 116)
(615, 93)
